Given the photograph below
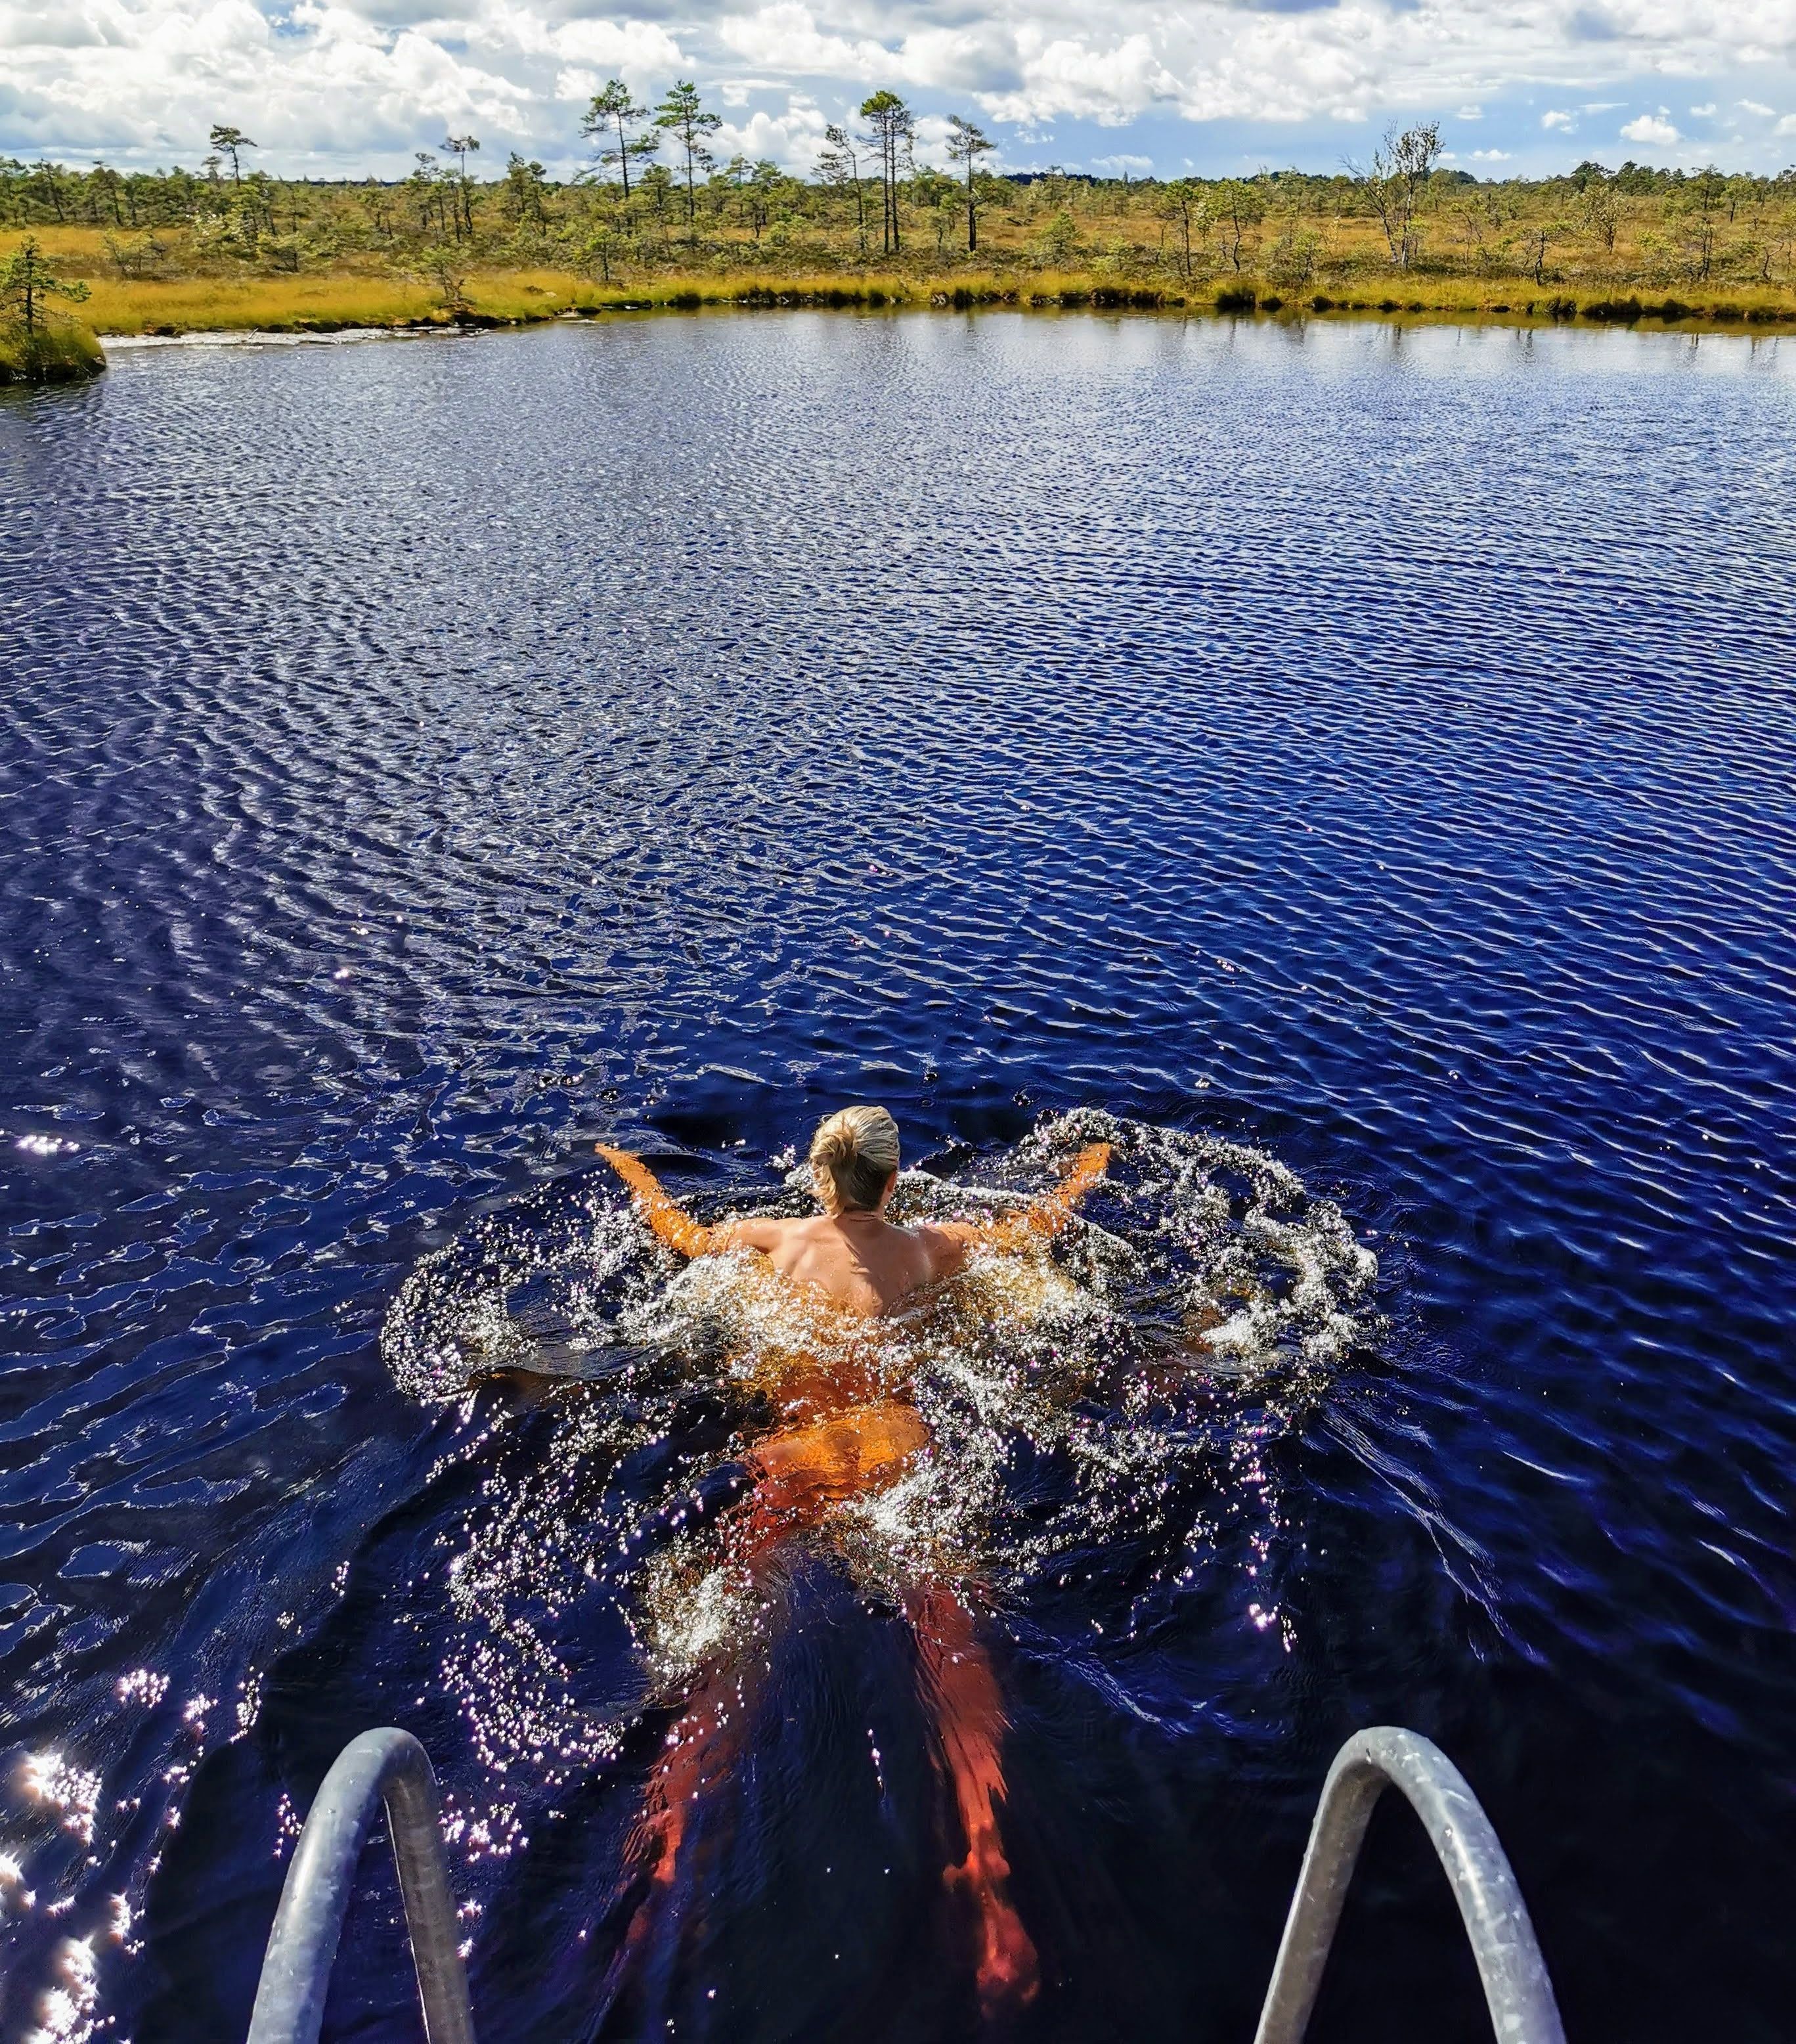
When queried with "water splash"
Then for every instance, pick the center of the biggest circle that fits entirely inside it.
(1202, 1301)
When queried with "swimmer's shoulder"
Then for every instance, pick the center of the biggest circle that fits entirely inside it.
(749, 1233)
(944, 1245)
(774, 1235)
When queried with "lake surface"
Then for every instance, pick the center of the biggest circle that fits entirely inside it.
(1365, 754)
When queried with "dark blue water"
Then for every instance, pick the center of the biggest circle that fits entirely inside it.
(1377, 748)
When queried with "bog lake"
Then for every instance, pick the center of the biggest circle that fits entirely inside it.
(1360, 756)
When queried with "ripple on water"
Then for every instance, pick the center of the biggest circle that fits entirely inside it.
(1371, 748)
(1202, 1302)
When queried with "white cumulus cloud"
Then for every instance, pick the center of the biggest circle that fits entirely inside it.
(784, 39)
(792, 138)
(639, 49)
(1068, 74)
(324, 83)
(1650, 128)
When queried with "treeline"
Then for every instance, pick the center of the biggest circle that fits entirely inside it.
(654, 196)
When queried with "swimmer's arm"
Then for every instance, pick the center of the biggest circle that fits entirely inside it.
(668, 1220)
(761, 1235)
(671, 1223)
(1055, 1210)
(1038, 1222)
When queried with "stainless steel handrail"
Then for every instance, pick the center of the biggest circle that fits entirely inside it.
(390, 1765)
(1516, 1986)
(387, 1766)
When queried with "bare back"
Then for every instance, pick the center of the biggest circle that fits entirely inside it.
(863, 1265)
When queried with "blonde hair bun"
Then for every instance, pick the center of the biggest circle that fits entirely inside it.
(852, 1155)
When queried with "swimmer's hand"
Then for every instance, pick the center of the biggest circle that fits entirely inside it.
(669, 1221)
(1043, 1219)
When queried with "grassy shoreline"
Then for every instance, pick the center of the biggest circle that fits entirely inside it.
(327, 302)
(62, 351)
(171, 253)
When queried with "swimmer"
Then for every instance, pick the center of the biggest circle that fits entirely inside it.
(843, 1436)
(863, 1265)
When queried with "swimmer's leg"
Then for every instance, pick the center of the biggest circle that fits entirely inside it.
(701, 1748)
(860, 1453)
(963, 1697)
(670, 1222)
(703, 1745)
(800, 1474)
(700, 1751)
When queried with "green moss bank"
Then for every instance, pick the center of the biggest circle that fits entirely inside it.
(64, 353)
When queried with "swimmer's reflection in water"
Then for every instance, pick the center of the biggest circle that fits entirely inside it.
(844, 1431)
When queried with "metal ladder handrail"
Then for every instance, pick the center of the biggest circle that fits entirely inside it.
(1517, 1990)
(388, 1766)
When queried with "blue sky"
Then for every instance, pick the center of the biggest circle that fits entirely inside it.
(327, 87)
